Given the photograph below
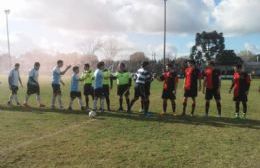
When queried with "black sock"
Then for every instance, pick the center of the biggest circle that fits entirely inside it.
(121, 103)
(108, 102)
(207, 108)
(193, 108)
(86, 99)
(237, 106)
(164, 106)
(127, 102)
(219, 108)
(173, 107)
(184, 107)
(245, 107)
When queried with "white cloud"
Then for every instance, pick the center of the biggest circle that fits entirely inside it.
(252, 47)
(238, 16)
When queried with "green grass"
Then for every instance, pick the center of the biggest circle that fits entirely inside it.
(47, 138)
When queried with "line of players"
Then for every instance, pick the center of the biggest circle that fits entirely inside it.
(97, 85)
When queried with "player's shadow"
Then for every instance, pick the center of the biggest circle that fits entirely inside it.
(195, 120)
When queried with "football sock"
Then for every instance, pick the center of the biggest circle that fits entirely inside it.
(173, 107)
(184, 107)
(26, 99)
(127, 102)
(219, 108)
(59, 101)
(120, 102)
(16, 99)
(164, 106)
(53, 101)
(71, 102)
(86, 100)
(108, 102)
(11, 99)
(237, 107)
(102, 103)
(38, 98)
(244, 107)
(207, 108)
(95, 104)
(193, 108)
(80, 102)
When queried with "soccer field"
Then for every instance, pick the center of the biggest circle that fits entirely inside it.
(47, 138)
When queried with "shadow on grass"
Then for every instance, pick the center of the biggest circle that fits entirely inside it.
(195, 120)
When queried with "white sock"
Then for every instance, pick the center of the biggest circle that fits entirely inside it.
(95, 104)
(26, 99)
(11, 98)
(53, 100)
(59, 101)
(80, 102)
(102, 103)
(38, 99)
(16, 99)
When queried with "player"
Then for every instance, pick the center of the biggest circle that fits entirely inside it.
(107, 85)
(33, 86)
(192, 78)
(141, 77)
(13, 80)
(56, 81)
(74, 88)
(241, 84)
(123, 81)
(87, 77)
(212, 84)
(170, 84)
(98, 86)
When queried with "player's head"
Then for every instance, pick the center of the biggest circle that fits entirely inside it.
(37, 65)
(238, 68)
(86, 67)
(145, 64)
(17, 66)
(121, 66)
(169, 67)
(101, 65)
(75, 69)
(60, 63)
(191, 63)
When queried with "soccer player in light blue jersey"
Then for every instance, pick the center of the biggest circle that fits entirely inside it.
(74, 88)
(56, 81)
(13, 81)
(98, 86)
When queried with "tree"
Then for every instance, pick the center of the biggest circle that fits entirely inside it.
(207, 46)
(228, 57)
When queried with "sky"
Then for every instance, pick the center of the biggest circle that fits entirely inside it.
(133, 25)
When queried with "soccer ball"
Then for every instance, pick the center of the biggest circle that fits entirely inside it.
(92, 114)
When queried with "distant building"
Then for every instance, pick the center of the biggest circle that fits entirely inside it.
(253, 68)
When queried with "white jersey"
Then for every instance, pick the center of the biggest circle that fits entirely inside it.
(56, 76)
(33, 77)
(14, 77)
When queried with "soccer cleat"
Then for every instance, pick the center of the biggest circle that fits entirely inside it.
(9, 103)
(147, 114)
(88, 109)
(244, 115)
(53, 107)
(141, 110)
(183, 114)
(18, 104)
(191, 114)
(70, 108)
(162, 114)
(42, 105)
(219, 116)
(237, 115)
(206, 115)
(102, 110)
(174, 114)
(82, 108)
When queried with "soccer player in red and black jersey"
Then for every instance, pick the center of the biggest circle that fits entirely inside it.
(192, 78)
(212, 84)
(241, 84)
(170, 79)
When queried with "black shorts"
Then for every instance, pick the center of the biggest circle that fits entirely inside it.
(210, 93)
(98, 92)
(106, 90)
(88, 90)
(140, 91)
(241, 97)
(123, 90)
(14, 89)
(193, 92)
(167, 94)
(56, 89)
(33, 89)
(74, 94)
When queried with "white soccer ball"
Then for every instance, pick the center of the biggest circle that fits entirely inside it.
(92, 114)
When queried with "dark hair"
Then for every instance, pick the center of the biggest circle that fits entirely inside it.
(100, 64)
(16, 64)
(145, 63)
(86, 65)
(37, 64)
(75, 68)
(239, 66)
(59, 62)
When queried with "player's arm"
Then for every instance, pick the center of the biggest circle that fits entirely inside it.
(20, 81)
(66, 69)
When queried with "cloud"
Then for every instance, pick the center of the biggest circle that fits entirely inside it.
(252, 47)
(238, 16)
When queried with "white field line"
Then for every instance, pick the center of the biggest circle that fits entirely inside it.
(29, 142)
